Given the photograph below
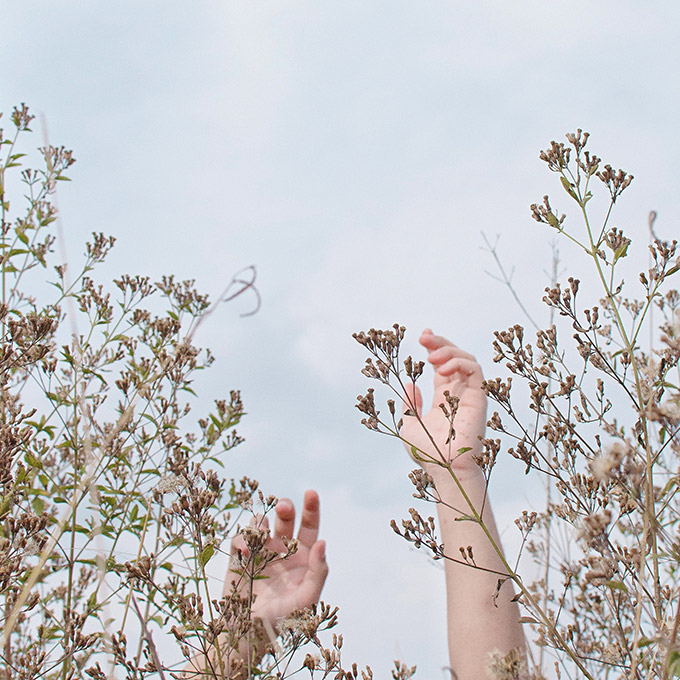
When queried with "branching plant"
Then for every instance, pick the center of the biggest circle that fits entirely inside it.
(112, 506)
(602, 388)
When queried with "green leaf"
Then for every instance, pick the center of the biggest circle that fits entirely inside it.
(464, 518)
(669, 485)
(568, 187)
(33, 462)
(617, 585)
(553, 221)
(5, 505)
(92, 602)
(175, 541)
(621, 251)
(674, 664)
(206, 554)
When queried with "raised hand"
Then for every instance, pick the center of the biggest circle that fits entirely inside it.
(295, 581)
(482, 616)
(458, 373)
(284, 585)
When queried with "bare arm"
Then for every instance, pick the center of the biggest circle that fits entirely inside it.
(480, 619)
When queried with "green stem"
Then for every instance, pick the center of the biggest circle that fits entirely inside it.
(648, 534)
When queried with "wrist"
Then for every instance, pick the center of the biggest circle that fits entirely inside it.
(470, 476)
(457, 487)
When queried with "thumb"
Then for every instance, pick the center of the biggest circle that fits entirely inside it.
(317, 571)
(413, 403)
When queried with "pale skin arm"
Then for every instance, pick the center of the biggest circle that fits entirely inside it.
(477, 624)
(289, 584)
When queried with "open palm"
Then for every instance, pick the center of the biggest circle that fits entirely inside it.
(295, 581)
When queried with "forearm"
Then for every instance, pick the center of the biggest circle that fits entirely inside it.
(481, 618)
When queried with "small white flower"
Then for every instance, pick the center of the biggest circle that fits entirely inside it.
(671, 410)
(170, 483)
(604, 466)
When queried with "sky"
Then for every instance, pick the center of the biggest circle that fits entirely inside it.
(354, 153)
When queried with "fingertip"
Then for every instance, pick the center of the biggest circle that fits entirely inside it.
(311, 500)
(315, 578)
(432, 342)
(318, 560)
(320, 550)
(285, 508)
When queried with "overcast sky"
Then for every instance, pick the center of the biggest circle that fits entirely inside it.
(354, 152)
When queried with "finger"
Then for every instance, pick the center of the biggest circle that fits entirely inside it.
(311, 517)
(284, 525)
(466, 367)
(413, 403)
(431, 341)
(312, 583)
(443, 354)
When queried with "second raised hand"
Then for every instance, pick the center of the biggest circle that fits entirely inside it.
(293, 582)
(458, 374)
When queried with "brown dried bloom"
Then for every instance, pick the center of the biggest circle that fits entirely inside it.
(596, 524)
(557, 156)
(544, 213)
(615, 180)
(511, 666)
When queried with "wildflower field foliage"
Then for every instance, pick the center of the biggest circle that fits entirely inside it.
(112, 500)
(114, 507)
(601, 382)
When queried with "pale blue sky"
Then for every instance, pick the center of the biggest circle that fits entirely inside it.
(354, 152)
